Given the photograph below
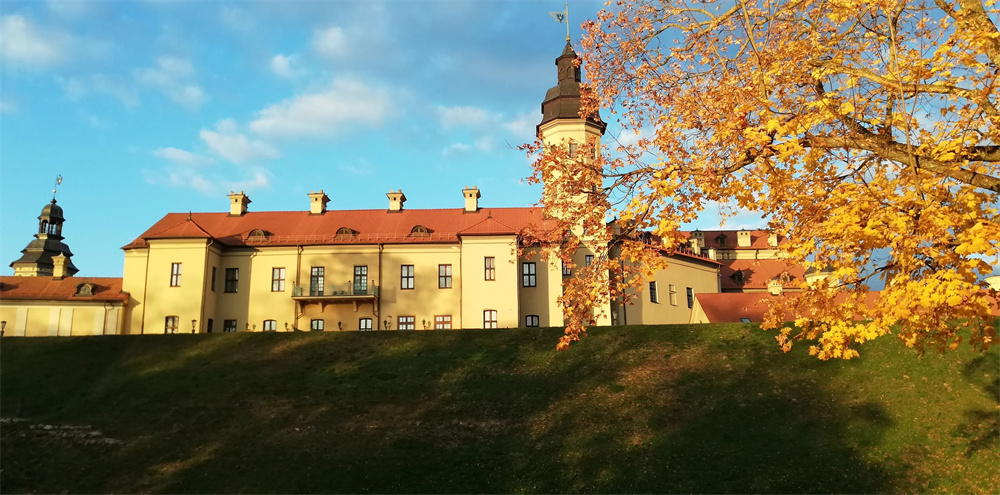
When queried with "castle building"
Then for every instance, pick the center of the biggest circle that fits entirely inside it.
(393, 268)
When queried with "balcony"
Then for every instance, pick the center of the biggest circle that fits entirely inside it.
(332, 293)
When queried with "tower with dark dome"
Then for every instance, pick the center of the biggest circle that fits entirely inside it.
(47, 255)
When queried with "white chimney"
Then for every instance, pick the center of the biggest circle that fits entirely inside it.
(471, 199)
(772, 240)
(59, 267)
(317, 202)
(396, 200)
(238, 203)
(774, 287)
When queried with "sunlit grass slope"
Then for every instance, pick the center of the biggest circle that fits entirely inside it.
(713, 408)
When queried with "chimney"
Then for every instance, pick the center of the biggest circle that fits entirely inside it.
(772, 240)
(59, 267)
(695, 247)
(238, 204)
(743, 238)
(700, 237)
(774, 287)
(317, 202)
(711, 254)
(396, 200)
(471, 199)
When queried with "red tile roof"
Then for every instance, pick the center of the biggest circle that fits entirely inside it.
(758, 239)
(757, 273)
(370, 226)
(729, 307)
(49, 289)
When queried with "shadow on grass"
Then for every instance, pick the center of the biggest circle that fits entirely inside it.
(981, 427)
(645, 410)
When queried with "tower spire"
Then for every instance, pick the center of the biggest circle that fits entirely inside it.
(58, 182)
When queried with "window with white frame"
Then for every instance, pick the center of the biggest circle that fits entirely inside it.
(317, 280)
(531, 321)
(490, 318)
(491, 269)
(228, 326)
(317, 325)
(270, 325)
(171, 324)
(232, 279)
(653, 297)
(442, 322)
(528, 275)
(444, 276)
(673, 294)
(588, 260)
(365, 324)
(175, 274)
(690, 294)
(406, 323)
(406, 276)
(277, 280)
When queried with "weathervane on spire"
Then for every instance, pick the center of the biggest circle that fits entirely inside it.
(58, 181)
(562, 17)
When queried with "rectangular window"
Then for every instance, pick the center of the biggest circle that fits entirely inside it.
(170, 326)
(444, 276)
(490, 318)
(316, 325)
(566, 270)
(690, 294)
(572, 150)
(406, 277)
(317, 280)
(228, 326)
(528, 274)
(588, 260)
(531, 321)
(491, 268)
(653, 298)
(277, 280)
(232, 279)
(270, 326)
(175, 274)
(673, 294)
(360, 279)
(442, 322)
(406, 323)
(213, 279)
(365, 324)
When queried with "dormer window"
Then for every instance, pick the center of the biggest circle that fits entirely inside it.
(257, 233)
(738, 277)
(721, 239)
(345, 232)
(85, 290)
(419, 231)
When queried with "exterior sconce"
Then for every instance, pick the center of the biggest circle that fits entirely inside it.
(3, 326)
(193, 325)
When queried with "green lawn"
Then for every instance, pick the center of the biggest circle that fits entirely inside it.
(714, 408)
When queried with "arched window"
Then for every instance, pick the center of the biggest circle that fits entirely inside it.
(345, 232)
(738, 277)
(257, 233)
(419, 231)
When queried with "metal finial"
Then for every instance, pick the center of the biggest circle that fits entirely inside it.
(58, 181)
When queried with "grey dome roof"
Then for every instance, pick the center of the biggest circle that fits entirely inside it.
(51, 212)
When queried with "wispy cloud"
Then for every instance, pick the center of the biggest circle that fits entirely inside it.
(468, 116)
(77, 87)
(237, 19)
(25, 44)
(182, 157)
(172, 76)
(286, 66)
(229, 143)
(208, 185)
(330, 43)
(348, 102)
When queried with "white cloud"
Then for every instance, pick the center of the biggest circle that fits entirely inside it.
(285, 66)
(232, 145)
(7, 107)
(349, 102)
(182, 157)
(523, 126)
(25, 44)
(452, 117)
(330, 43)
(67, 8)
(237, 19)
(76, 87)
(456, 149)
(484, 143)
(171, 76)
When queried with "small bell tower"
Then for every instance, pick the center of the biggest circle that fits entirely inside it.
(37, 258)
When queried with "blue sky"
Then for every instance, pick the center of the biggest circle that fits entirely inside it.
(150, 107)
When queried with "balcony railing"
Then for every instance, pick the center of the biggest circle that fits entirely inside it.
(333, 291)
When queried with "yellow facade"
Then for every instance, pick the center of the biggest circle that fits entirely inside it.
(60, 318)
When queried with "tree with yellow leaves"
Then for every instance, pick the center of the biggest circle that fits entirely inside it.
(869, 132)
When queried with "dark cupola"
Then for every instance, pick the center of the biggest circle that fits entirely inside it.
(562, 101)
(37, 258)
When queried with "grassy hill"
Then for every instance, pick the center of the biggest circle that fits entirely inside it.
(640, 409)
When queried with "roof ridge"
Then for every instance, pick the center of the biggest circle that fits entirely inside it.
(488, 218)
(176, 225)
